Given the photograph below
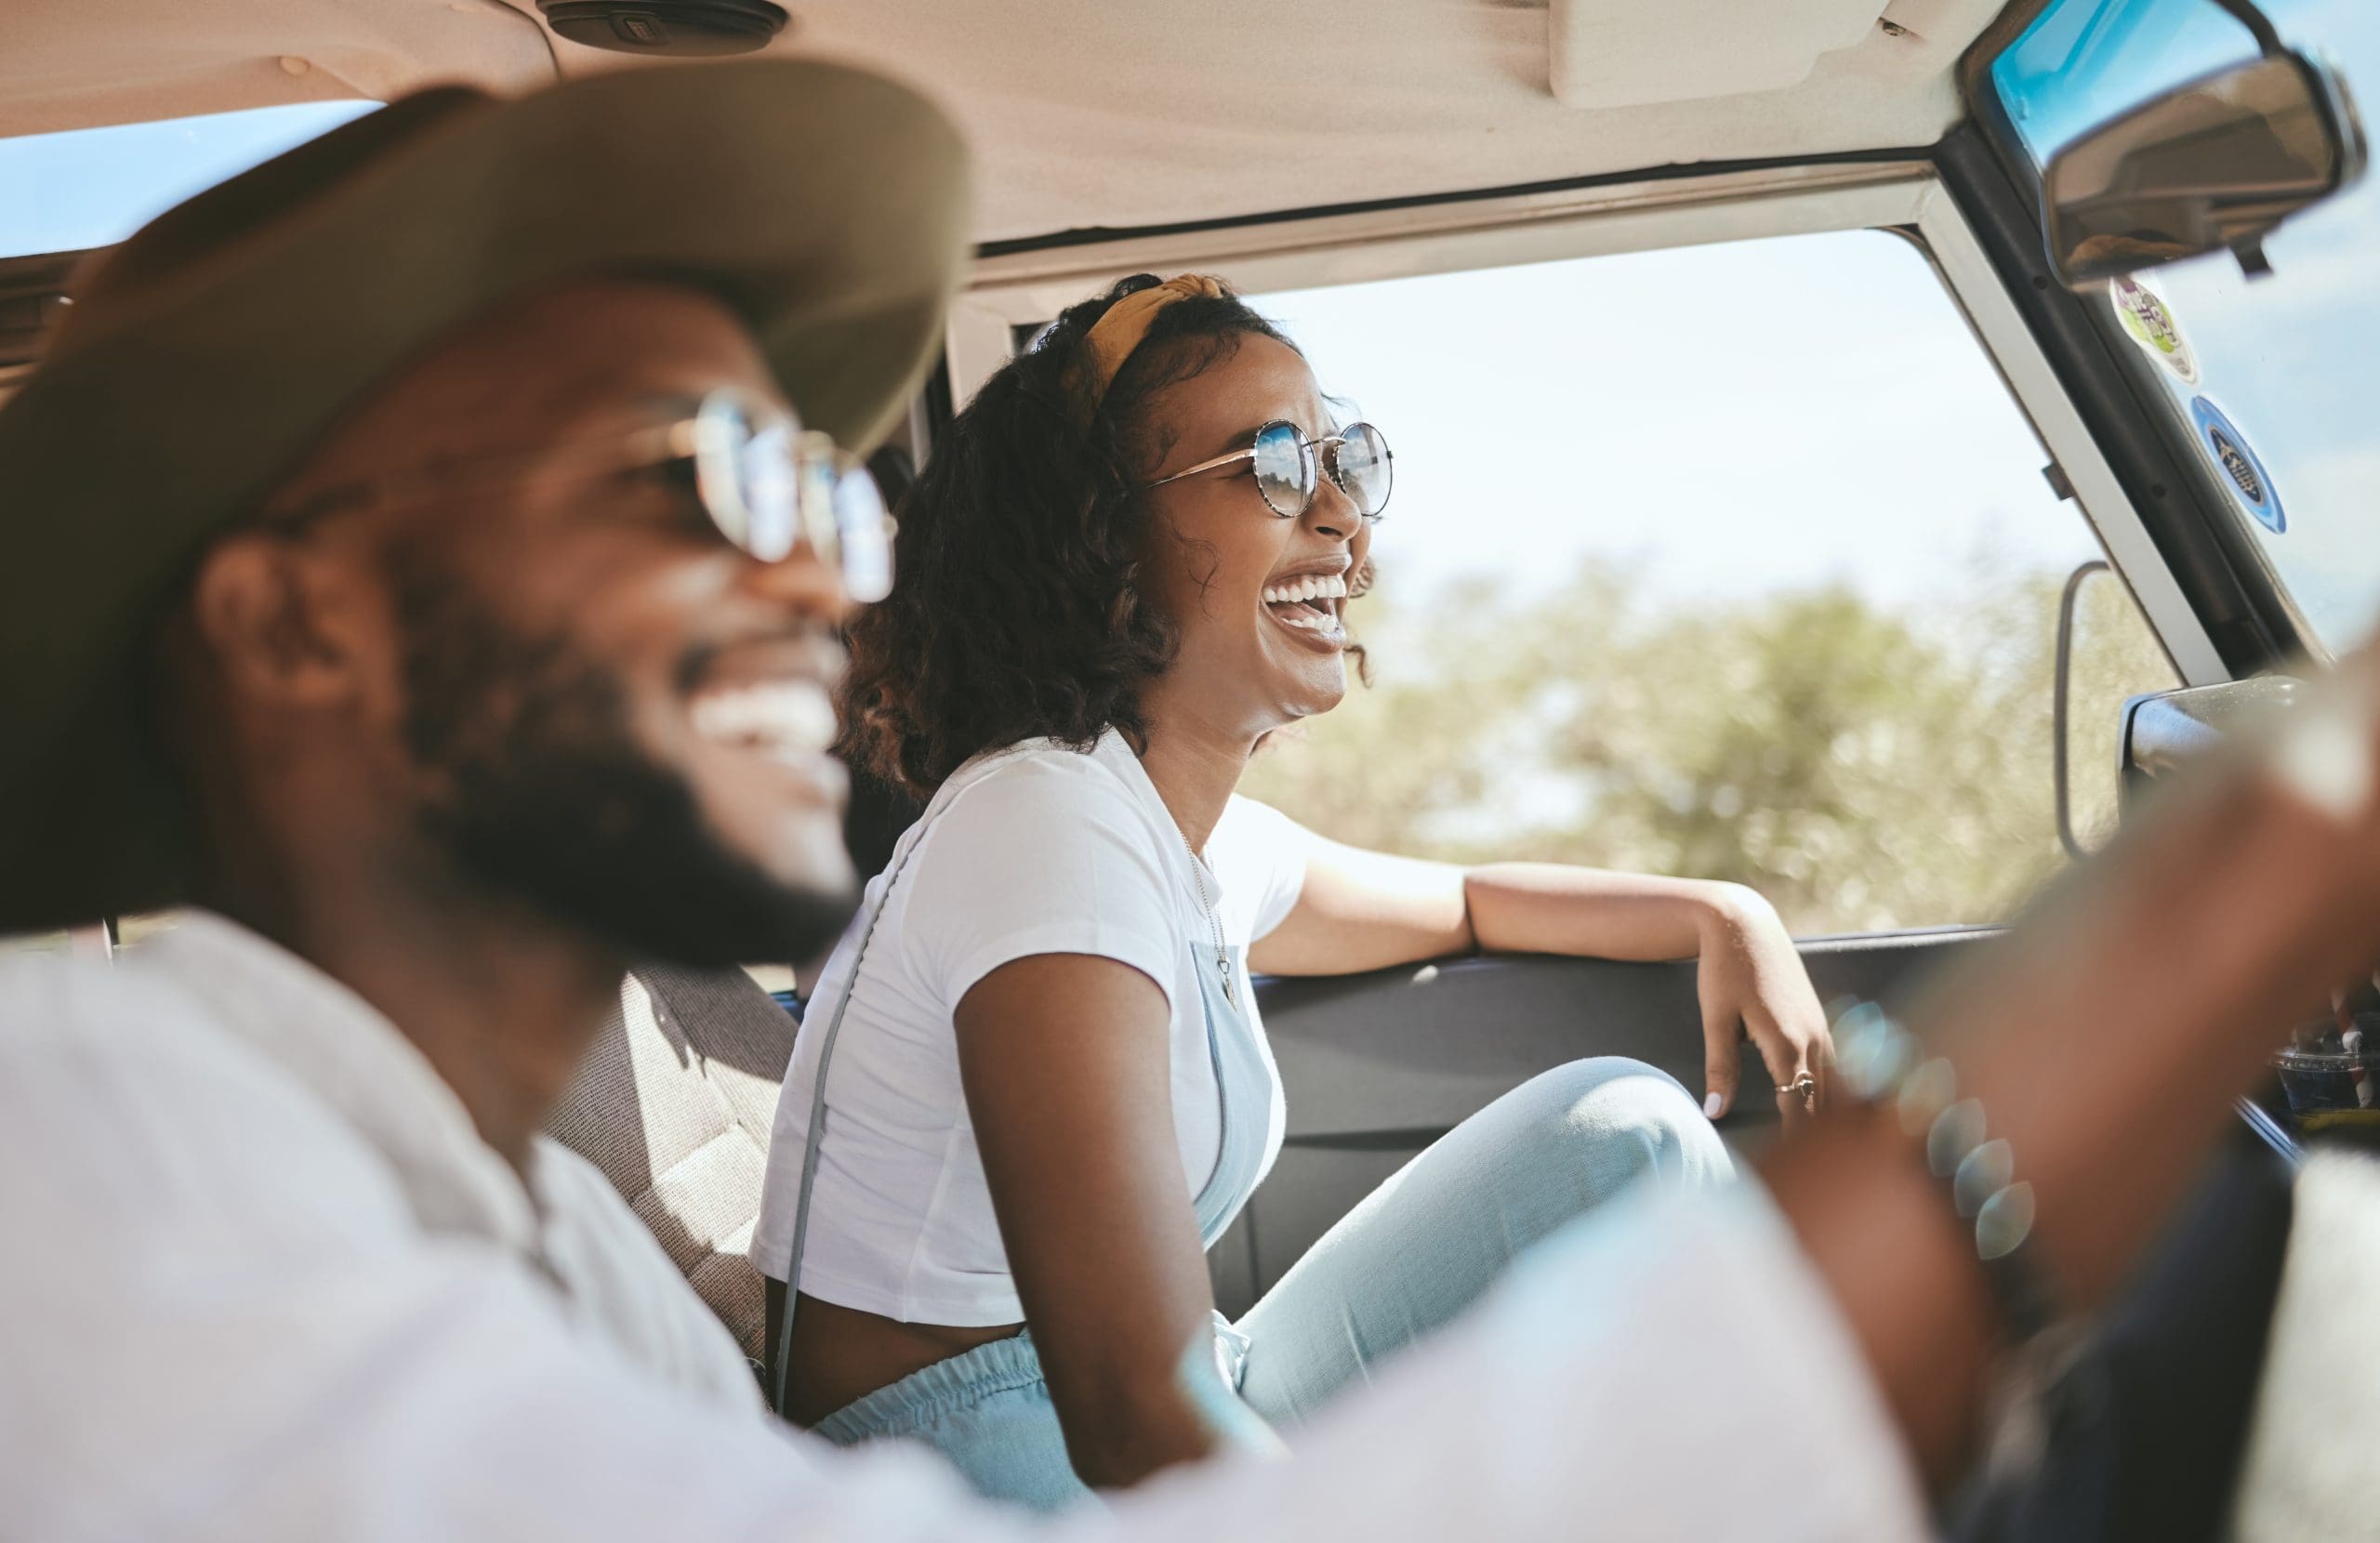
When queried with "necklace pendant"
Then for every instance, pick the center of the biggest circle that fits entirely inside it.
(1223, 968)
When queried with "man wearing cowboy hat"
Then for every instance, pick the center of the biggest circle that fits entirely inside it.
(425, 552)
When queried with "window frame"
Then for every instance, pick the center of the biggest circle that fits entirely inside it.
(2188, 515)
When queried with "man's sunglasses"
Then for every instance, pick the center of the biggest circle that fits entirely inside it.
(1289, 467)
(766, 482)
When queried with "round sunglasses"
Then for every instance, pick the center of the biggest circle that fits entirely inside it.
(765, 483)
(768, 484)
(1289, 467)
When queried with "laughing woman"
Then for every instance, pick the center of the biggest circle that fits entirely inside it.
(1033, 1088)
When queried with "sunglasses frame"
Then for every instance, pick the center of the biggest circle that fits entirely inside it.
(1307, 450)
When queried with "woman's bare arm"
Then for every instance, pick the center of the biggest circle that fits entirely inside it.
(1369, 910)
(1067, 1063)
(1361, 910)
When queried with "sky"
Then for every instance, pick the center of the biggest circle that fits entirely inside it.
(66, 192)
(1733, 419)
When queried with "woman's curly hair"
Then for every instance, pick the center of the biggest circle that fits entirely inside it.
(1017, 611)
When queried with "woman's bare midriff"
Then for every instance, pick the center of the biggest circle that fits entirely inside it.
(840, 1353)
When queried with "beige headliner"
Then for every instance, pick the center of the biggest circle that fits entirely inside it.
(1116, 113)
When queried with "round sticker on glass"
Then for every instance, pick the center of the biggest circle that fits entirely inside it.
(2148, 320)
(2241, 470)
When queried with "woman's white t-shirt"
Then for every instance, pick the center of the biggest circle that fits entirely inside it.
(1036, 849)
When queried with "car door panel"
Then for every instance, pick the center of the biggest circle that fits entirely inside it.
(1377, 1066)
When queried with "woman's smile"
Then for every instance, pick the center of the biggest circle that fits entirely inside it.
(1309, 600)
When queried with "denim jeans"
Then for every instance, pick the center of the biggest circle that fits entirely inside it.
(1411, 1256)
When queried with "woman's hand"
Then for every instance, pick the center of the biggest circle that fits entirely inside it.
(1751, 981)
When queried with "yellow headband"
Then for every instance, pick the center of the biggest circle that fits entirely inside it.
(1115, 335)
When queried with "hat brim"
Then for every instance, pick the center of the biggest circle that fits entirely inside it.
(827, 207)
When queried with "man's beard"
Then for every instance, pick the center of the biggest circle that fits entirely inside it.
(548, 798)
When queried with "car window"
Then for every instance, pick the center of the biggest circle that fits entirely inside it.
(93, 187)
(2271, 382)
(1735, 562)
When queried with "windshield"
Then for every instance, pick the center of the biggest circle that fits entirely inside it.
(2274, 382)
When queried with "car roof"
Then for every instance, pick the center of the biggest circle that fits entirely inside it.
(1094, 115)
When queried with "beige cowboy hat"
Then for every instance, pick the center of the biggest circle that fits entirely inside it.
(204, 355)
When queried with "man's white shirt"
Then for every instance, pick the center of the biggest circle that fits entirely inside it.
(261, 1279)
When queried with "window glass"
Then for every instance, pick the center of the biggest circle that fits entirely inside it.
(92, 187)
(2270, 381)
(1734, 562)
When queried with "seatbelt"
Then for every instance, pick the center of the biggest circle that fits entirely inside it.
(783, 1357)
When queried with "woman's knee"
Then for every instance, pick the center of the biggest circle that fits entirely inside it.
(1626, 1117)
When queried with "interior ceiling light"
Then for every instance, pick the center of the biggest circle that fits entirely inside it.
(667, 27)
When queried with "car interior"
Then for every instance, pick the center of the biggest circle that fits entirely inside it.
(1299, 147)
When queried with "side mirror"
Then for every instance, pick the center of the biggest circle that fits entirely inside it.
(2212, 165)
(2166, 731)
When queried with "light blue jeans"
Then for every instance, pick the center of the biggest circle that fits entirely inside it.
(1412, 1255)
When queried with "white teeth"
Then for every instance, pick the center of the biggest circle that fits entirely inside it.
(1311, 621)
(1313, 587)
(784, 717)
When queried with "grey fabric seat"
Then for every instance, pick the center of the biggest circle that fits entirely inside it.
(674, 1104)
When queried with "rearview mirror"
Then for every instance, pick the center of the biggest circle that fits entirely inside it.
(2212, 165)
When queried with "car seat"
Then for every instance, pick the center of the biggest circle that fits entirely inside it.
(674, 1104)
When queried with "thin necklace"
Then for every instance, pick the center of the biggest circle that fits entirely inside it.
(1223, 957)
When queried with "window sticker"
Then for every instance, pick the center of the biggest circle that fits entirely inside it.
(2148, 320)
(2236, 460)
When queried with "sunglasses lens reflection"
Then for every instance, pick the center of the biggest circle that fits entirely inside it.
(767, 488)
(865, 535)
(1361, 467)
(1284, 468)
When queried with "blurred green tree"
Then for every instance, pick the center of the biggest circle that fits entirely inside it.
(1864, 768)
